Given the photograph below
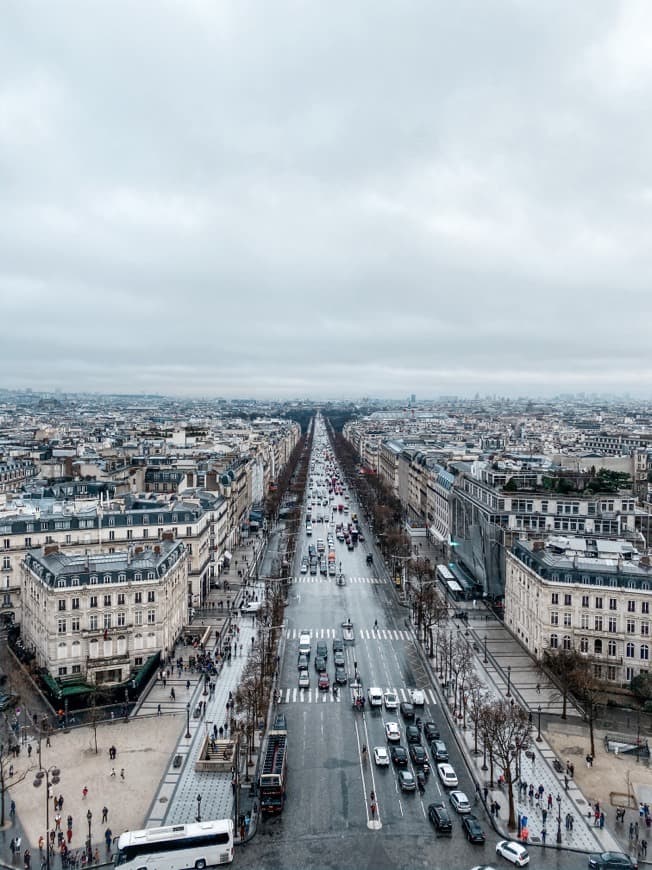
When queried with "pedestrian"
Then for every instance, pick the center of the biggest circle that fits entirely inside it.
(108, 836)
(29, 755)
(122, 774)
(187, 685)
(544, 815)
(113, 771)
(602, 820)
(84, 793)
(69, 835)
(12, 808)
(27, 859)
(566, 783)
(485, 792)
(173, 697)
(158, 710)
(17, 844)
(572, 770)
(105, 814)
(636, 831)
(549, 801)
(538, 688)
(644, 847)
(12, 846)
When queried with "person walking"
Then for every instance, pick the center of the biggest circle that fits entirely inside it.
(122, 774)
(105, 814)
(84, 793)
(108, 836)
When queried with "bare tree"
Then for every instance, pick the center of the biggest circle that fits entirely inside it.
(477, 701)
(8, 781)
(507, 731)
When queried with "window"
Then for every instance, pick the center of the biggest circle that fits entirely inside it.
(112, 535)
(613, 604)
(74, 623)
(631, 626)
(62, 604)
(62, 628)
(138, 576)
(645, 629)
(631, 607)
(612, 624)
(554, 641)
(93, 601)
(138, 598)
(62, 671)
(93, 579)
(644, 652)
(554, 598)
(122, 621)
(597, 646)
(6, 563)
(107, 578)
(92, 622)
(611, 648)
(568, 620)
(76, 669)
(584, 644)
(566, 643)
(584, 620)
(611, 673)
(107, 601)
(150, 596)
(74, 603)
(597, 623)
(629, 650)
(598, 603)
(645, 606)
(138, 617)
(107, 620)
(121, 598)
(585, 600)
(554, 618)
(568, 600)
(151, 617)
(597, 672)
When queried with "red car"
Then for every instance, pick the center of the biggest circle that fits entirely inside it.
(323, 682)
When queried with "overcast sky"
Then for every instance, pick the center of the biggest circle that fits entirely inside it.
(283, 198)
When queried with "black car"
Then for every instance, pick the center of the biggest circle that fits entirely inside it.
(438, 815)
(473, 829)
(322, 650)
(338, 645)
(418, 754)
(611, 861)
(398, 756)
(320, 664)
(430, 731)
(340, 676)
(412, 734)
(407, 710)
(439, 751)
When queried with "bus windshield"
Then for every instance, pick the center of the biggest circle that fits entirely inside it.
(176, 847)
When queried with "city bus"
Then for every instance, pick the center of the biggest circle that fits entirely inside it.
(177, 847)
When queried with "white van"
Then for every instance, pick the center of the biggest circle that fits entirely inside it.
(308, 529)
(304, 644)
(375, 697)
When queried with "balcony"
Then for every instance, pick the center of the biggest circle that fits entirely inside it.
(99, 633)
(102, 661)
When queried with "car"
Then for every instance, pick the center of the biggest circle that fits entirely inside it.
(338, 644)
(303, 662)
(323, 683)
(513, 852)
(611, 861)
(406, 780)
(447, 775)
(322, 650)
(418, 754)
(304, 680)
(320, 664)
(304, 567)
(407, 711)
(430, 731)
(438, 815)
(412, 734)
(460, 802)
(439, 750)
(392, 732)
(418, 697)
(473, 829)
(381, 756)
(399, 756)
(391, 700)
(338, 659)
(341, 677)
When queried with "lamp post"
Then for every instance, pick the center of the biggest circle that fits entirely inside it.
(509, 680)
(89, 848)
(539, 724)
(51, 776)
(188, 721)
(199, 808)
(485, 660)
(558, 819)
(484, 755)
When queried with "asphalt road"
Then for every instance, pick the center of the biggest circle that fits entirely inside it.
(327, 820)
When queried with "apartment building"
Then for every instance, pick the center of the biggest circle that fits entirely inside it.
(586, 594)
(97, 618)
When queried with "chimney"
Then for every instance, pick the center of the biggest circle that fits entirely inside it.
(538, 545)
(157, 550)
(138, 551)
(50, 549)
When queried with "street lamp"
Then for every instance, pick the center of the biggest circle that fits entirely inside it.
(51, 776)
(188, 721)
(89, 850)
(485, 660)
(484, 754)
(558, 819)
(539, 724)
(199, 807)
(509, 680)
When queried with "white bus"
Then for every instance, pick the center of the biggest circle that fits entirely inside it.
(177, 847)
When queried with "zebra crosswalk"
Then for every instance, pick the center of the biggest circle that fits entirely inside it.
(320, 578)
(319, 696)
(360, 633)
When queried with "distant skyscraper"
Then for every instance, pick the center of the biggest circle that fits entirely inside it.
(413, 399)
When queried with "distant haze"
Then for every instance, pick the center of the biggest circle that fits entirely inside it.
(285, 198)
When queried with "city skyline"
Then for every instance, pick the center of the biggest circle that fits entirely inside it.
(205, 200)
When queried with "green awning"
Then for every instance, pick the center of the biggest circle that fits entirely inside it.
(68, 689)
(145, 671)
(52, 685)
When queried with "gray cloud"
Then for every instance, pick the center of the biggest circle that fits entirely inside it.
(320, 199)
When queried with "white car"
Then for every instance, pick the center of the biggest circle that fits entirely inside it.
(391, 701)
(418, 697)
(304, 567)
(514, 852)
(460, 802)
(381, 756)
(393, 733)
(447, 775)
(304, 680)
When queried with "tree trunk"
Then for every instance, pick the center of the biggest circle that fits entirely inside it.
(511, 822)
(591, 723)
(565, 702)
